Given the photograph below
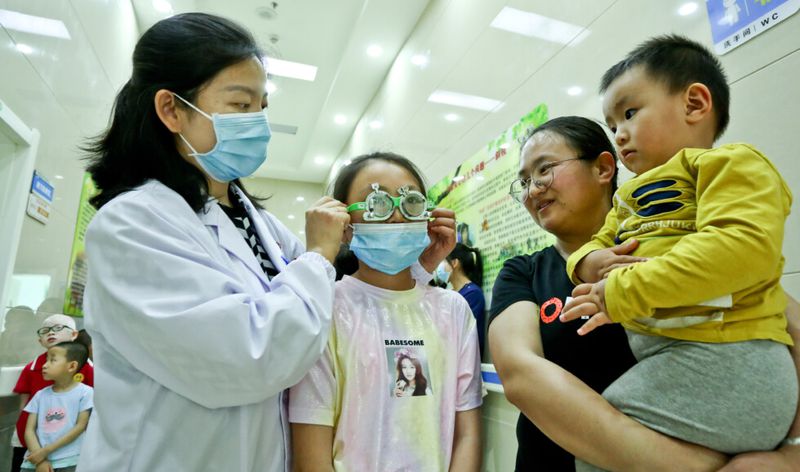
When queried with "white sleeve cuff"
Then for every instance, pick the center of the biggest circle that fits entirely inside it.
(320, 259)
(419, 273)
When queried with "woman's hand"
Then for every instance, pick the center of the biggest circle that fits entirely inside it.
(326, 221)
(442, 231)
(399, 388)
(785, 459)
(596, 265)
(588, 300)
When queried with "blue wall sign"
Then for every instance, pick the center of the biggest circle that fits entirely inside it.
(734, 22)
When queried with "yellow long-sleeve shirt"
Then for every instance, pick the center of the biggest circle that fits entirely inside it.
(712, 222)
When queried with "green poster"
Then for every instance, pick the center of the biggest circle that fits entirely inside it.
(488, 218)
(76, 277)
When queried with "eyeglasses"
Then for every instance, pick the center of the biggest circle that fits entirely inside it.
(542, 180)
(51, 329)
(379, 205)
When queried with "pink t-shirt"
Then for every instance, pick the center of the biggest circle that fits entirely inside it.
(398, 366)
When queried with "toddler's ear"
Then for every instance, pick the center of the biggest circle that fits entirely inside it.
(697, 102)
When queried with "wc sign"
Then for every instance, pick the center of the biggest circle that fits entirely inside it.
(734, 22)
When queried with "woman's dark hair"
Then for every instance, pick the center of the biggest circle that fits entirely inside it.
(348, 173)
(180, 54)
(346, 262)
(420, 382)
(586, 137)
(470, 261)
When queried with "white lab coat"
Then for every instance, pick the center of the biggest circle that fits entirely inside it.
(193, 347)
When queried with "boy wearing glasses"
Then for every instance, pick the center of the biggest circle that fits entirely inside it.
(55, 329)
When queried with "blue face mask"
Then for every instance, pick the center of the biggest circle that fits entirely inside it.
(241, 147)
(441, 274)
(389, 248)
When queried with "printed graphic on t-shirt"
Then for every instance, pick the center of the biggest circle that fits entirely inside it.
(550, 310)
(54, 419)
(408, 368)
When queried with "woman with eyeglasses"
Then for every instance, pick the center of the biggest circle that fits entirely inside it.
(554, 376)
(567, 177)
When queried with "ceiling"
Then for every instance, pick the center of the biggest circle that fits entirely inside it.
(332, 36)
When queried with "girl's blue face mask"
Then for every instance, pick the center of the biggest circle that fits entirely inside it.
(389, 248)
(241, 147)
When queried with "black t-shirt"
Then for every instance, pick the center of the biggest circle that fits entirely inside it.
(597, 358)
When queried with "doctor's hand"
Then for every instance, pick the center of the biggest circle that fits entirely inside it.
(588, 300)
(442, 231)
(596, 265)
(326, 221)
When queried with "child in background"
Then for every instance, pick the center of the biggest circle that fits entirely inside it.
(399, 387)
(58, 414)
(705, 313)
(55, 329)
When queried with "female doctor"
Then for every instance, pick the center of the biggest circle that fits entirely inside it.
(202, 306)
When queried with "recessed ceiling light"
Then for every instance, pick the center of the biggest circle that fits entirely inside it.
(162, 6)
(291, 217)
(574, 91)
(376, 124)
(374, 50)
(24, 48)
(451, 117)
(687, 8)
(300, 198)
(292, 70)
(467, 101)
(420, 60)
(535, 26)
(59, 177)
(271, 87)
(33, 24)
(340, 119)
(320, 160)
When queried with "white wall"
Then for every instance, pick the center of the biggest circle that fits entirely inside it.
(283, 200)
(64, 88)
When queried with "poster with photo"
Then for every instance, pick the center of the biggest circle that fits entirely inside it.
(487, 217)
(76, 277)
(408, 371)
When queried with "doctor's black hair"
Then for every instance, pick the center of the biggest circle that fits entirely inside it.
(180, 54)
(677, 62)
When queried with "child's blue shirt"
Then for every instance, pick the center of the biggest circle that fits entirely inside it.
(57, 413)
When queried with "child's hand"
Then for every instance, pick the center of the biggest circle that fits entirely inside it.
(44, 466)
(588, 300)
(442, 231)
(39, 456)
(598, 264)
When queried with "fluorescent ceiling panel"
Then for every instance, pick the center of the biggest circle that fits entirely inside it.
(535, 26)
(17, 21)
(465, 101)
(293, 70)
